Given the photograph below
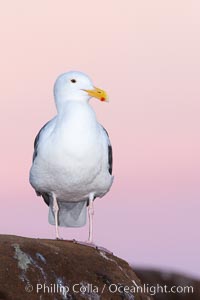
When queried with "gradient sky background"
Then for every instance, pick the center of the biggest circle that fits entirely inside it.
(146, 55)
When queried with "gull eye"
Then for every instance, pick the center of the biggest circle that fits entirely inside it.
(73, 80)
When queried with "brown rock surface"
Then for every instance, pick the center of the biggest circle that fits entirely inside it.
(40, 269)
(181, 282)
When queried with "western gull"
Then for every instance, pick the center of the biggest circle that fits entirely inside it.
(72, 159)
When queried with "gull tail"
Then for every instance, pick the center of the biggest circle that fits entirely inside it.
(70, 214)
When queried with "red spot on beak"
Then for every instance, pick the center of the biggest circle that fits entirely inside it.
(102, 99)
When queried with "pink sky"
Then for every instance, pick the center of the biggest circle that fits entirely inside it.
(146, 55)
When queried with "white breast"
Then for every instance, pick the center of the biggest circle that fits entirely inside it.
(71, 157)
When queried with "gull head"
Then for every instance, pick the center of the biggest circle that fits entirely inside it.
(76, 86)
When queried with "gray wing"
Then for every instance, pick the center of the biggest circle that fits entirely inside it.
(110, 154)
(36, 141)
(45, 196)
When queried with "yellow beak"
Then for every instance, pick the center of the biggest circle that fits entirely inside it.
(98, 93)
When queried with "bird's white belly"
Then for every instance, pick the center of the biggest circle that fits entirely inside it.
(72, 158)
(71, 170)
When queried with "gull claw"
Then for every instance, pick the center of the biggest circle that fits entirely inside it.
(59, 239)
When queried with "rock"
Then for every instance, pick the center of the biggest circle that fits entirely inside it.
(49, 269)
(152, 278)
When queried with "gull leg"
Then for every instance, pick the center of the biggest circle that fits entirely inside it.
(91, 214)
(55, 210)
